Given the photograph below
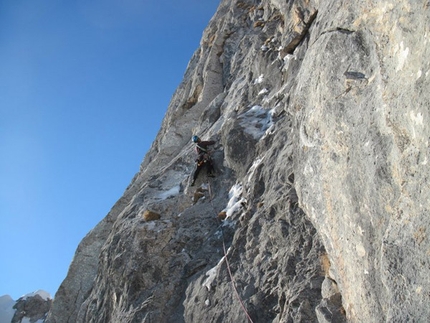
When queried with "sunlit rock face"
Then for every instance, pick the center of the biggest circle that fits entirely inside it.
(320, 113)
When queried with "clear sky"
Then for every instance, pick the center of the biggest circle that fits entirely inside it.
(84, 85)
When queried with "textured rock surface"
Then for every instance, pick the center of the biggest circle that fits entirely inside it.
(32, 308)
(320, 110)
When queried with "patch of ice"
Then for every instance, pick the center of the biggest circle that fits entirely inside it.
(150, 225)
(169, 193)
(256, 121)
(419, 73)
(263, 91)
(235, 201)
(211, 273)
(269, 130)
(417, 118)
(259, 80)
(229, 224)
(254, 167)
(402, 56)
(288, 57)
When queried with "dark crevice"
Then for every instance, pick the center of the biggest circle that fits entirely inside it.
(296, 41)
(337, 30)
(344, 30)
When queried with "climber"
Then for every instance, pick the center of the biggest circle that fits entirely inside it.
(203, 158)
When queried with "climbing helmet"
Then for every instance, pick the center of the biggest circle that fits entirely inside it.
(195, 139)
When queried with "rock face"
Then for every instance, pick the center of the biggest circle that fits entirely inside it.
(32, 307)
(320, 111)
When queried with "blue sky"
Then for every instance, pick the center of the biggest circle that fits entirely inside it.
(84, 86)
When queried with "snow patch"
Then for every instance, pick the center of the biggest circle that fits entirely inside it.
(256, 121)
(211, 273)
(45, 295)
(288, 57)
(150, 225)
(170, 193)
(263, 91)
(402, 56)
(417, 118)
(6, 306)
(259, 80)
(254, 166)
(419, 73)
(234, 204)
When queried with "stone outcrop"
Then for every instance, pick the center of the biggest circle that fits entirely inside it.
(32, 308)
(320, 113)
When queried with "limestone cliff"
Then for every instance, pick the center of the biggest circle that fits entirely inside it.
(320, 114)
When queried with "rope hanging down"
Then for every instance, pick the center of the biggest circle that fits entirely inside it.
(233, 283)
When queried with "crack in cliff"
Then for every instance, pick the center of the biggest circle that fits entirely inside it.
(297, 40)
(335, 30)
(338, 29)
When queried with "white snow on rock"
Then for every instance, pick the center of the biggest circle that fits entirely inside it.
(7, 303)
(253, 167)
(211, 273)
(234, 204)
(45, 295)
(259, 80)
(263, 91)
(170, 193)
(256, 121)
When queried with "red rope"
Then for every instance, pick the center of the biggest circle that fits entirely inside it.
(234, 284)
(228, 264)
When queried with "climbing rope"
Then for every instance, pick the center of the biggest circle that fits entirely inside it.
(233, 282)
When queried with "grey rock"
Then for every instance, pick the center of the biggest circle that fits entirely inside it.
(33, 308)
(320, 111)
(329, 288)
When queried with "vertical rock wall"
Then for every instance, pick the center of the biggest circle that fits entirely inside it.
(363, 147)
(320, 111)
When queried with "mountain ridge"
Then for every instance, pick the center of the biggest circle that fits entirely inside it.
(31, 307)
